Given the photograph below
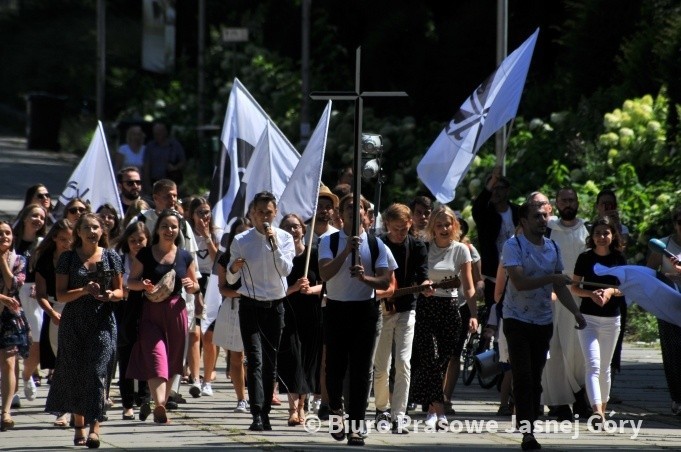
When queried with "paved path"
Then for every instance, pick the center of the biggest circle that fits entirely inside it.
(209, 422)
(21, 168)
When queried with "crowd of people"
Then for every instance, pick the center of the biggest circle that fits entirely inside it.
(321, 312)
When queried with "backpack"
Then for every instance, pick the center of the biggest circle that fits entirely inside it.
(373, 247)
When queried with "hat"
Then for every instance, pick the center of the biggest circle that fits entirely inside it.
(463, 224)
(324, 192)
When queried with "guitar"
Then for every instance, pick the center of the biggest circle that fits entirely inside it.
(447, 283)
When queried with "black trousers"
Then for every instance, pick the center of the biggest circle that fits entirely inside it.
(350, 339)
(527, 348)
(261, 328)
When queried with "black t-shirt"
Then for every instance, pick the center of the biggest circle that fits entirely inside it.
(223, 260)
(585, 268)
(154, 271)
(414, 254)
(45, 266)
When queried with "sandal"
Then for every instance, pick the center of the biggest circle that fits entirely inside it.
(7, 422)
(61, 420)
(338, 436)
(160, 415)
(92, 441)
(355, 439)
(79, 440)
(293, 418)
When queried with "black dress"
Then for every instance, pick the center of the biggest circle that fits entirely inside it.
(87, 344)
(299, 354)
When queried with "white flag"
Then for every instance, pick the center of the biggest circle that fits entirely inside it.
(302, 191)
(640, 285)
(490, 107)
(244, 124)
(93, 179)
(271, 165)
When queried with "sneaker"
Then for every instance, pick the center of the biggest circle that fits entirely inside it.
(442, 422)
(241, 407)
(207, 390)
(16, 402)
(529, 442)
(195, 389)
(314, 408)
(399, 427)
(431, 420)
(30, 390)
(382, 415)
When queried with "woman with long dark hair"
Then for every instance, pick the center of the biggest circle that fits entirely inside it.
(200, 218)
(135, 237)
(301, 340)
(28, 233)
(601, 309)
(158, 353)
(87, 332)
(57, 241)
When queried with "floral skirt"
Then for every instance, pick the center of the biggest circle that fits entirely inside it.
(14, 333)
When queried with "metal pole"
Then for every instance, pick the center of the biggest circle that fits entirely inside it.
(502, 50)
(200, 83)
(101, 57)
(305, 74)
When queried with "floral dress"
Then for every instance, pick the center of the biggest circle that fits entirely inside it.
(14, 331)
(87, 344)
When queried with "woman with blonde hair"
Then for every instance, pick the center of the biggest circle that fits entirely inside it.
(87, 332)
(438, 321)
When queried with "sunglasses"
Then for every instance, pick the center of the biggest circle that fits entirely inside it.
(131, 183)
(42, 195)
(203, 213)
(75, 210)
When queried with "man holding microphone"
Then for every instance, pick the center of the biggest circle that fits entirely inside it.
(262, 257)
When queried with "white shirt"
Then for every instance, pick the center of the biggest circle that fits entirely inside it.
(571, 240)
(263, 276)
(342, 287)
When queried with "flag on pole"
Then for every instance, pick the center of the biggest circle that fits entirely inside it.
(243, 126)
(93, 179)
(302, 190)
(640, 285)
(490, 107)
(271, 165)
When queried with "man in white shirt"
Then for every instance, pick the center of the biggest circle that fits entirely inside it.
(352, 314)
(564, 373)
(262, 257)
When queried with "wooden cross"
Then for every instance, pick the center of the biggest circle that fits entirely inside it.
(102, 277)
(358, 97)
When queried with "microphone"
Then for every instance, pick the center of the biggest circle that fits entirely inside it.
(659, 246)
(267, 226)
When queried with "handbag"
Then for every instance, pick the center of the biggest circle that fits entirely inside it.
(165, 286)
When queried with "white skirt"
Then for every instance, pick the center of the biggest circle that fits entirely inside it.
(227, 333)
(33, 311)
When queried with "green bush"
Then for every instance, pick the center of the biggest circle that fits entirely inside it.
(641, 325)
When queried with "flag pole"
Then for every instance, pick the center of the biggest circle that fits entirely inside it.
(308, 252)
(502, 157)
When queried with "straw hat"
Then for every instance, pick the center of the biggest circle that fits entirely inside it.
(324, 192)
